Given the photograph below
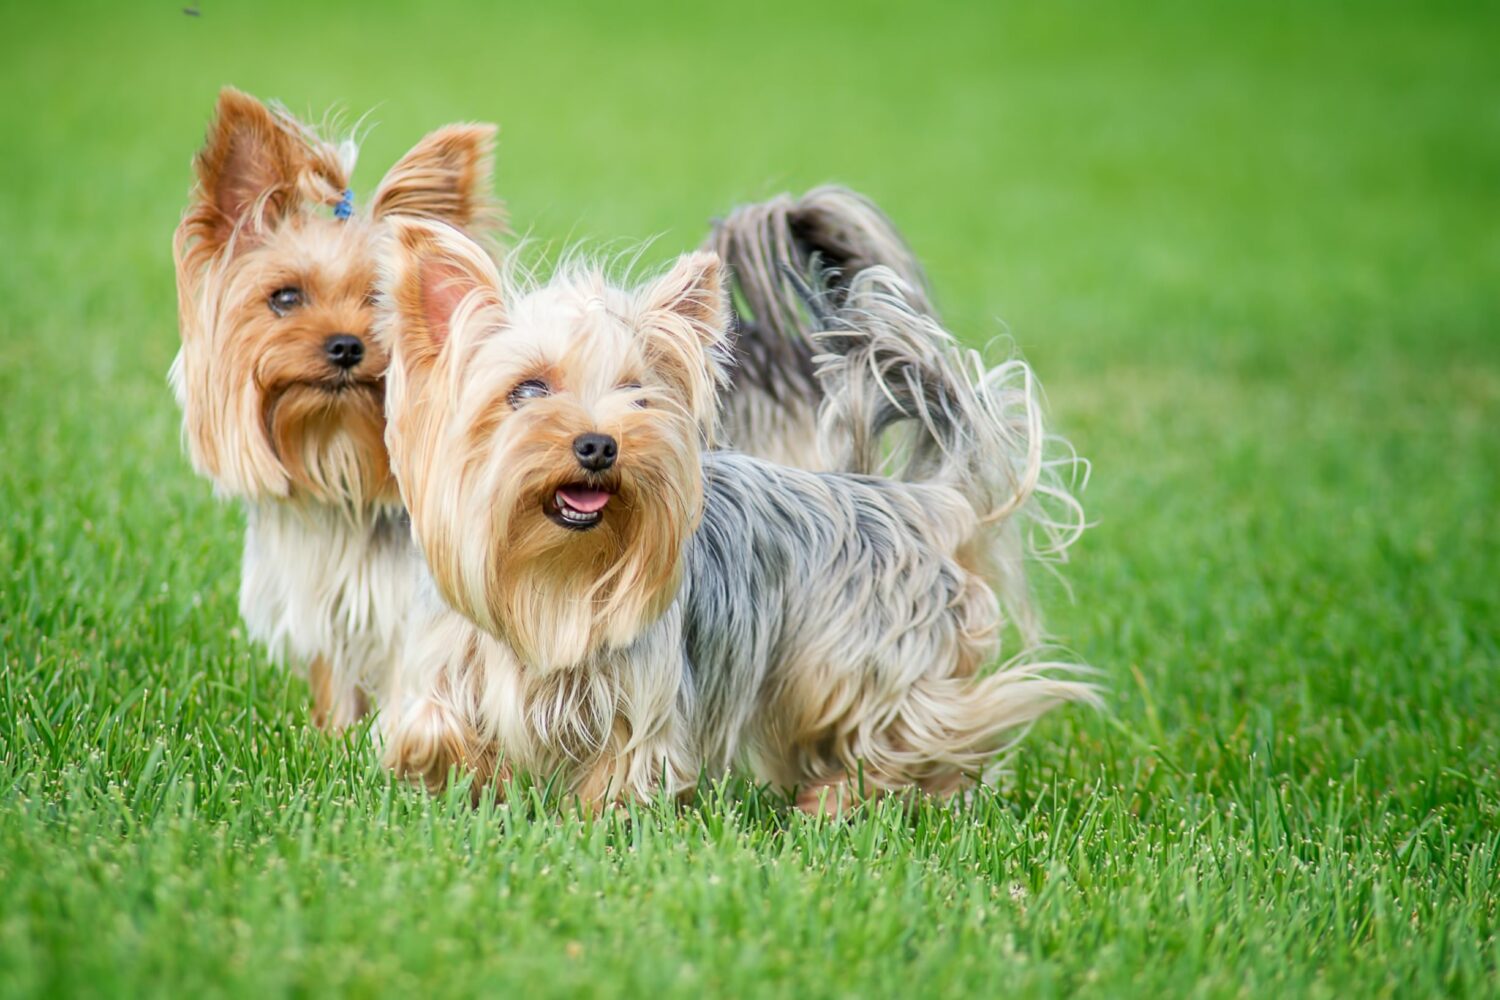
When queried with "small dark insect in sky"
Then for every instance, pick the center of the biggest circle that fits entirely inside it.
(192, 11)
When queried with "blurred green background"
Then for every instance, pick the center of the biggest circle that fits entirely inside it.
(1252, 250)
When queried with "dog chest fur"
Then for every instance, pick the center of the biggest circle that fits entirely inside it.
(322, 581)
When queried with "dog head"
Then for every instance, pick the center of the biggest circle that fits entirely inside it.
(279, 378)
(547, 438)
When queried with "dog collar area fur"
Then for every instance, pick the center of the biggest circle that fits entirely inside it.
(345, 207)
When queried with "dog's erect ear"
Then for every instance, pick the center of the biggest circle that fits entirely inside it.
(693, 291)
(447, 176)
(247, 170)
(433, 278)
(685, 317)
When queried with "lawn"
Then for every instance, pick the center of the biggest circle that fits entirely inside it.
(1252, 250)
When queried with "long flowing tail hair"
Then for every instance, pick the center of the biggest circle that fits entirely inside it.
(904, 399)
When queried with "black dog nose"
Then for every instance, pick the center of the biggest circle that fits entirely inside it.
(596, 452)
(344, 350)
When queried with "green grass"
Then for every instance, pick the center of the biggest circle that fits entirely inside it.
(1251, 248)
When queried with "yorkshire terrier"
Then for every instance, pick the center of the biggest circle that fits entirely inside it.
(281, 383)
(612, 602)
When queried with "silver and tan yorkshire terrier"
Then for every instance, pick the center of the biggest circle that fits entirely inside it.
(281, 383)
(611, 602)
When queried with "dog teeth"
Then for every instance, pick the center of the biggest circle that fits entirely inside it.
(574, 516)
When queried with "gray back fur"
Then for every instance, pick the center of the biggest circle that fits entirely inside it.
(788, 564)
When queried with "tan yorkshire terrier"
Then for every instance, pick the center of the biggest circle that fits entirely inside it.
(614, 603)
(281, 383)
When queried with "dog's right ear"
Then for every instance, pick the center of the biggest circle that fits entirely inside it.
(435, 283)
(247, 171)
(447, 176)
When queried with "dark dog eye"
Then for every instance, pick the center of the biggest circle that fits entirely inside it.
(639, 404)
(532, 388)
(284, 300)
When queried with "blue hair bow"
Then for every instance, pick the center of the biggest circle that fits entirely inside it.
(345, 207)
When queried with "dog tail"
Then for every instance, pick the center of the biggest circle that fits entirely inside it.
(774, 249)
(831, 231)
(957, 726)
(905, 400)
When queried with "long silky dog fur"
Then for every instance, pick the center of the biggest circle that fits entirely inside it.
(828, 632)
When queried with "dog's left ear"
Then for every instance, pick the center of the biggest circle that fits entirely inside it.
(448, 177)
(249, 172)
(693, 290)
(685, 316)
(433, 278)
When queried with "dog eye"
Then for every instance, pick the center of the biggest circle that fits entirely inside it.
(284, 300)
(639, 404)
(532, 388)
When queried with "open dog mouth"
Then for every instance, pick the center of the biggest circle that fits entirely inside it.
(578, 507)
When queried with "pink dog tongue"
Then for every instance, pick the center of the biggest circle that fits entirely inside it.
(581, 498)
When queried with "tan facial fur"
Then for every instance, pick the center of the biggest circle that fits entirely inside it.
(640, 367)
(265, 412)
